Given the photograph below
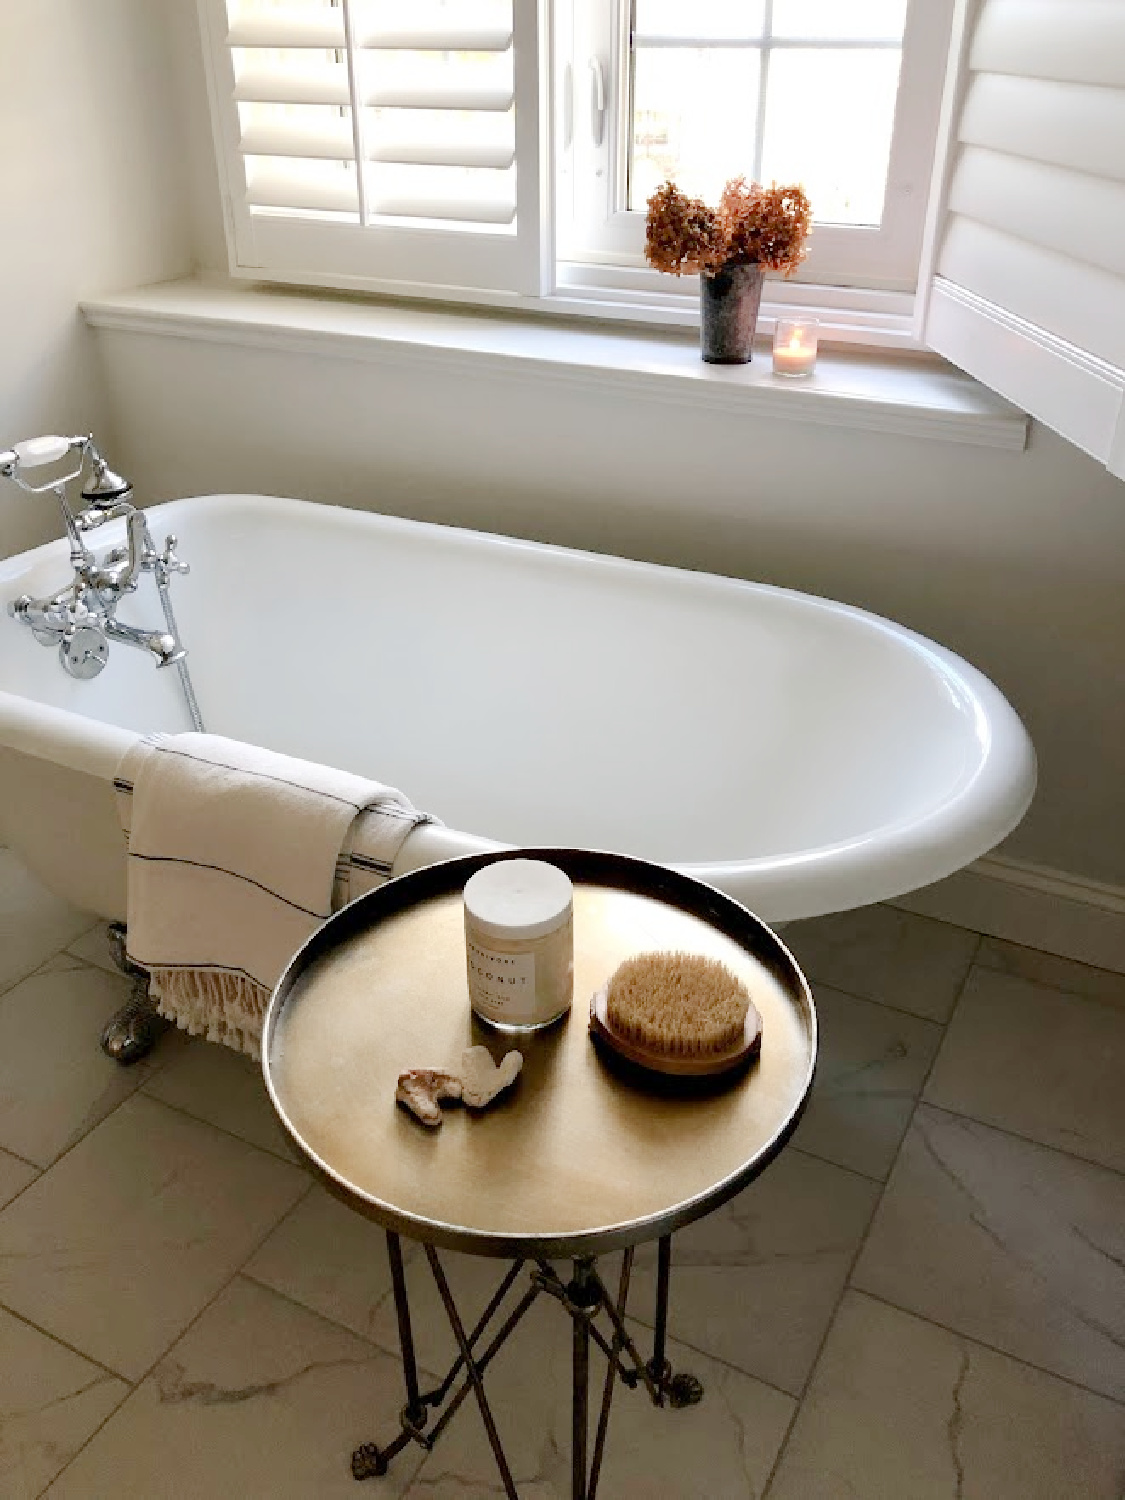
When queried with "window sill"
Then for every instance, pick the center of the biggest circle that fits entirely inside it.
(909, 395)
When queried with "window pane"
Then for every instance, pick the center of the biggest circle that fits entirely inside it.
(822, 20)
(694, 114)
(732, 19)
(829, 117)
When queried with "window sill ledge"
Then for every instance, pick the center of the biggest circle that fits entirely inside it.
(908, 395)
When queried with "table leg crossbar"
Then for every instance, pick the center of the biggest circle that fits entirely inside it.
(584, 1297)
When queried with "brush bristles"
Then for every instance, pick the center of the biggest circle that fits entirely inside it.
(677, 1003)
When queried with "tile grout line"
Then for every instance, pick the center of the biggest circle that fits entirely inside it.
(63, 952)
(56, 1339)
(913, 1116)
(129, 1391)
(182, 1334)
(138, 1089)
(315, 1312)
(718, 1359)
(233, 1135)
(25, 1161)
(898, 1010)
(1015, 1135)
(1078, 963)
(83, 965)
(968, 1338)
(827, 1161)
(847, 1283)
(73, 1146)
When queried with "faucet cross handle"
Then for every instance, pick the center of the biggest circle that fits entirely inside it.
(168, 559)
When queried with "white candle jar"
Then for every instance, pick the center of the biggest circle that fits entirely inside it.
(519, 943)
(794, 346)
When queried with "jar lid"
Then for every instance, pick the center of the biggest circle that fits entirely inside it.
(518, 898)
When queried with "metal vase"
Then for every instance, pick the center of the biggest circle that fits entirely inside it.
(729, 299)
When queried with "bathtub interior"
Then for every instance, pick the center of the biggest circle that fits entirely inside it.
(528, 694)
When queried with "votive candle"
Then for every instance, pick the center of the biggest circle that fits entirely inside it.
(794, 346)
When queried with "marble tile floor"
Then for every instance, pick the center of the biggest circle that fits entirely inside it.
(924, 1296)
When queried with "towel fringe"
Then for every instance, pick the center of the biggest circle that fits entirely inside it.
(223, 1007)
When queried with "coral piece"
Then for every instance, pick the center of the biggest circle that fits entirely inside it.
(420, 1090)
(482, 1079)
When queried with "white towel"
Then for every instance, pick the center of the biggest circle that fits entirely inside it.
(236, 856)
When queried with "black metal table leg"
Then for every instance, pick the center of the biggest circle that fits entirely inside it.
(369, 1459)
(405, 1333)
(682, 1389)
(612, 1366)
(584, 1299)
(473, 1372)
(658, 1366)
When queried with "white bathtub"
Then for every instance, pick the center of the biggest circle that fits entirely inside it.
(803, 756)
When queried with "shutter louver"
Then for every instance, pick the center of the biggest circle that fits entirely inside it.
(372, 143)
(1029, 285)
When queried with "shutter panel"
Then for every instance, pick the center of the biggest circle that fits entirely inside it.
(1028, 291)
(375, 144)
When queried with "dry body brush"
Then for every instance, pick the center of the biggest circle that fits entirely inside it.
(753, 225)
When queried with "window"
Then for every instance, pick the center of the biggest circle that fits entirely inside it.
(374, 143)
(844, 98)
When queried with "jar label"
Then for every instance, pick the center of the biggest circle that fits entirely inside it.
(501, 985)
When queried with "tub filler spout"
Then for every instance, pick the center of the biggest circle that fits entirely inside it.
(163, 646)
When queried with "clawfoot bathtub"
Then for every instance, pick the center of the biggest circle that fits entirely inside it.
(801, 755)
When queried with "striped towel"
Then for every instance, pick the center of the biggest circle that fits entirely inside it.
(237, 855)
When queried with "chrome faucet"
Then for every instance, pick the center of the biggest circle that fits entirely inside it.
(81, 619)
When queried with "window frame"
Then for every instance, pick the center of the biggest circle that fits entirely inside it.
(599, 240)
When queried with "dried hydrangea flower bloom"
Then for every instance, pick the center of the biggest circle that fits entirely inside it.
(767, 226)
(682, 235)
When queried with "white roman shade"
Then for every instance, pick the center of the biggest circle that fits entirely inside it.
(369, 143)
(1028, 293)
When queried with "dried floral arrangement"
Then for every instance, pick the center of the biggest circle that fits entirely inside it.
(768, 226)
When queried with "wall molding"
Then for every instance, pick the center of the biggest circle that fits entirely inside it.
(1031, 905)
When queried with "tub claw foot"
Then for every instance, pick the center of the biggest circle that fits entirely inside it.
(133, 1031)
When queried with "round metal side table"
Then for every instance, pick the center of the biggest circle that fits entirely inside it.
(581, 1157)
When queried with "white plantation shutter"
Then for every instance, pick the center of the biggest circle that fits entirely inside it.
(368, 143)
(1029, 286)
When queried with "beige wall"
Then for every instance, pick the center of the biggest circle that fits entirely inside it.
(90, 202)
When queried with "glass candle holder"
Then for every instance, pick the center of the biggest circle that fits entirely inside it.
(794, 346)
